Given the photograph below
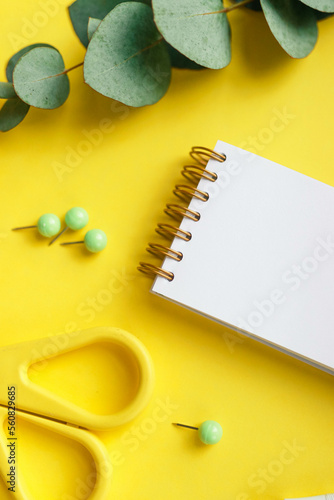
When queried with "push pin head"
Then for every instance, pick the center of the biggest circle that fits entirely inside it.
(95, 240)
(47, 225)
(209, 432)
(75, 218)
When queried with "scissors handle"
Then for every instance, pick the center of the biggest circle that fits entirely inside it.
(16, 359)
(95, 447)
(45, 409)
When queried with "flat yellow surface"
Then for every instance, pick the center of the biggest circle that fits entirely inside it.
(121, 165)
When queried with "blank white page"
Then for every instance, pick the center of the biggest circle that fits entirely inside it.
(261, 257)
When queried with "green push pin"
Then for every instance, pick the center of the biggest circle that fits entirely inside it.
(48, 225)
(209, 432)
(76, 218)
(95, 240)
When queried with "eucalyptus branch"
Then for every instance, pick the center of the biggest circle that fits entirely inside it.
(134, 66)
(73, 67)
(237, 5)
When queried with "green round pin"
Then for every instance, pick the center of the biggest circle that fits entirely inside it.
(209, 432)
(76, 218)
(47, 225)
(95, 240)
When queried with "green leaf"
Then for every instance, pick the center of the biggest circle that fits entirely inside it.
(127, 58)
(39, 78)
(92, 26)
(7, 90)
(81, 10)
(12, 113)
(322, 5)
(193, 28)
(13, 60)
(293, 24)
(178, 60)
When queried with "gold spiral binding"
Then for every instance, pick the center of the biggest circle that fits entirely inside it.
(167, 231)
(202, 155)
(192, 173)
(195, 172)
(152, 270)
(161, 250)
(186, 192)
(178, 212)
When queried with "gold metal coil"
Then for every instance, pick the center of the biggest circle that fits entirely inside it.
(192, 173)
(152, 270)
(202, 155)
(168, 231)
(186, 192)
(161, 250)
(196, 172)
(178, 212)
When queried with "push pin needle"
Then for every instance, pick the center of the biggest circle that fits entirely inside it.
(76, 218)
(47, 225)
(95, 240)
(188, 426)
(209, 432)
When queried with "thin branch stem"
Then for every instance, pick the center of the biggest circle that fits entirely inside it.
(70, 69)
(237, 5)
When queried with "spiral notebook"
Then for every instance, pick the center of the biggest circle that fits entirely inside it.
(253, 250)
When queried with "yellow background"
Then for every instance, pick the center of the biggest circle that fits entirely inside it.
(265, 401)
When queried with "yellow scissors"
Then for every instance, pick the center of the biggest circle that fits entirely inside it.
(37, 405)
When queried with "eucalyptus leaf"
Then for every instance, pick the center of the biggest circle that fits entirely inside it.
(127, 58)
(92, 26)
(7, 90)
(12, 113)
(39, 78)
(322, 5)
(196, 28)
(178, 60)
(13, 60)
(81, 10)
(293, 24)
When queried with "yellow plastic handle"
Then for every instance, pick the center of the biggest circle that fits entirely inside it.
(89, 441)
(16, 359)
